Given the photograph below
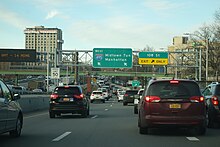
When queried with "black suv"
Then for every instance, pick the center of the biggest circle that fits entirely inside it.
(129, 96)
(212, 96)
(68, 99)
(11, 116)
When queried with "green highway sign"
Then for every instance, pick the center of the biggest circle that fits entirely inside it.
(135, 83)
(153, 58)
(112, 58)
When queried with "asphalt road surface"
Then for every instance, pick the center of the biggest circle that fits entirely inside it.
(110, 124)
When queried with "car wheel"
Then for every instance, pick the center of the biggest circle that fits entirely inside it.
(103, 101)
(52, 114)
(210, 121)
(143, 130)
(125, 104)
(135, 110)
(84, 113)
(198, 130)
(17, 131)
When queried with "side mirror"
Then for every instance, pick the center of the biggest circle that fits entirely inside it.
(16, 96)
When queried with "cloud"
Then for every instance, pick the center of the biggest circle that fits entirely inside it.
(160, 5)
(52, 14)
(100, 2)
(14, 19)
(124, 33)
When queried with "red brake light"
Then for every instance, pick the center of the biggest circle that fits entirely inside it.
(174, 82)
(66, 86)
(215, 101)
(78, 96)
(53, 96)
(126, 95)
(197, 99)
(152, 99)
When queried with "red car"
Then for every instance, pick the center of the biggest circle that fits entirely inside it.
(171, 103)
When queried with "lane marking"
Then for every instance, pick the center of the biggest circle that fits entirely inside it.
(192, 138)
(35, 115)
(61, 136)
(94, 117)
(106, 109)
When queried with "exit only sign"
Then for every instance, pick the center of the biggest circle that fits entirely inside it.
(153, 58)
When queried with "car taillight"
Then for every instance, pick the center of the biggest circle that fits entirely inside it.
(54, 96)
(215, 101)
(78, 96)
(126, 95)
(92, 94)
(152, 99)
(197, 99)
(174, 82)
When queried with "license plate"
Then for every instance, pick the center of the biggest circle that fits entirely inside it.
(66, 99)
(175, 106)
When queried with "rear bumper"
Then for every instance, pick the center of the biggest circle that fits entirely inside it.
(153, 121)
(59, 108)
(128, 100)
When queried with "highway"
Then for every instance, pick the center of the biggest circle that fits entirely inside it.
(110, 124)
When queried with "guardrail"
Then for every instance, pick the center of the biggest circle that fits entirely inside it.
(30, 103)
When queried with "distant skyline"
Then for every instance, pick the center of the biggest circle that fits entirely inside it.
(88, 24)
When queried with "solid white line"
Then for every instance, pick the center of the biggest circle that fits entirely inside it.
(192, 138)
(94, 117)
(106, 109)
(61, 136)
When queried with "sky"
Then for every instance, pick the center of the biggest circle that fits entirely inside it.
(88, 24)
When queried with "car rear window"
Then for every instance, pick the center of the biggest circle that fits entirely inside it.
(132, 92)
(182, 89)
(217, 90)
(67, 90)
(97, 92)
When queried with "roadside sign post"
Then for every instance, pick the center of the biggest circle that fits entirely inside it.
(112, 58)
(55, 73)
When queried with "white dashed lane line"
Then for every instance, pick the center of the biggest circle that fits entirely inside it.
(192, 139)
(61, 136)
(94, 117)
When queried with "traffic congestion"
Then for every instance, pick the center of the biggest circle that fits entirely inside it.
(178, 107)
(109, 73)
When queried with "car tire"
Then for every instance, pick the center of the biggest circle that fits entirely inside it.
(135, 110)
(84, 113)
(210, 121)
(17, 131)
(103, 101)
(143, 130)
(125, 104)
(52, 114)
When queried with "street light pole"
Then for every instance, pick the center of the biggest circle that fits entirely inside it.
(207, 60)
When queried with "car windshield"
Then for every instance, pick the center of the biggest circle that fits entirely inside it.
(165, 89)
(67, 91)
(97, 92)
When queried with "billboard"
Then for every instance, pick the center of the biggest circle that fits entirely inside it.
(17, 55)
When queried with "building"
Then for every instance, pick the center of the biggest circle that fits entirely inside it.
(183, 58)
(45, 41)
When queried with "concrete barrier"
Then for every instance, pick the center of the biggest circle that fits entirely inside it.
(31, 103)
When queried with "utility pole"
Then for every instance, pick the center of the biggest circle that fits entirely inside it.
(207, 60)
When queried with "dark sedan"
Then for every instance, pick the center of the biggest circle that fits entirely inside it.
(11, 116)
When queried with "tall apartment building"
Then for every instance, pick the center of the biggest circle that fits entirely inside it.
(45, 41)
